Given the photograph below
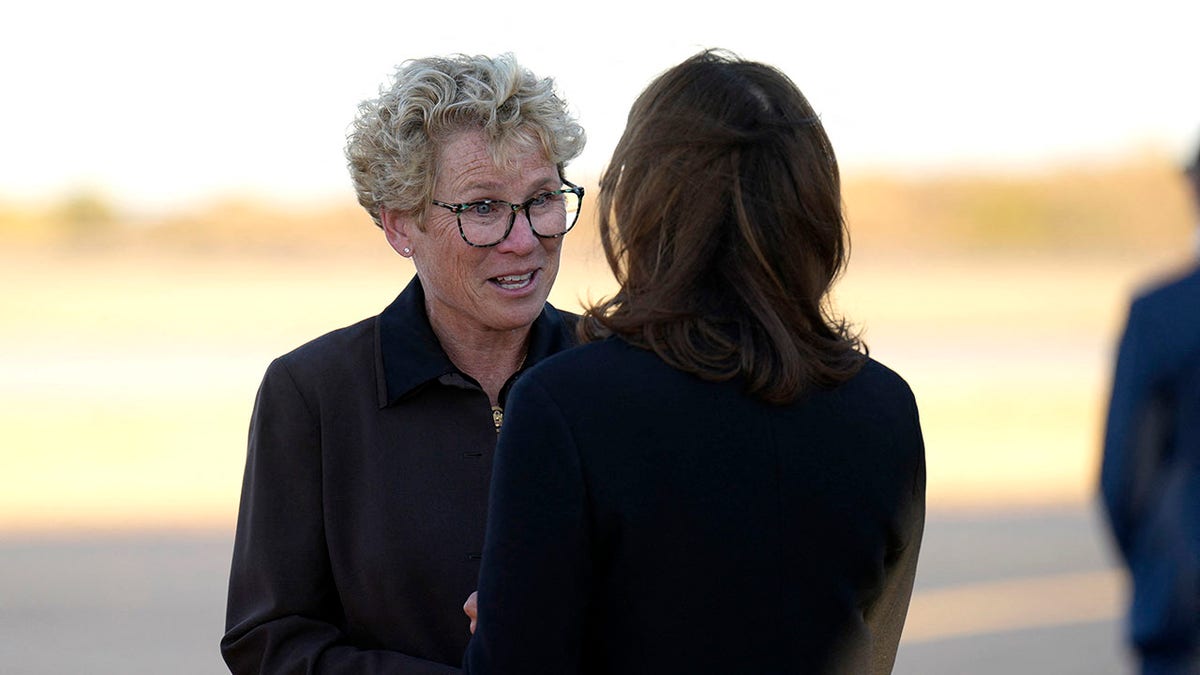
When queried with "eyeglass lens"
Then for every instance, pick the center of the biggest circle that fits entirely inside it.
(550, 215)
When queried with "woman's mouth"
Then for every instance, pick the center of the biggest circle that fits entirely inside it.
(513, 282)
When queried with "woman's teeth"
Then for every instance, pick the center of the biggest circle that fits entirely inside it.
(514, 281)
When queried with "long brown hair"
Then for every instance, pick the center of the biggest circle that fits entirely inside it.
(721, 217)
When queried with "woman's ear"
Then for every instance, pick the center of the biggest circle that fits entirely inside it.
(396, 227)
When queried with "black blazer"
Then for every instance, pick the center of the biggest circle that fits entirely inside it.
(364, 501)
(644, 521)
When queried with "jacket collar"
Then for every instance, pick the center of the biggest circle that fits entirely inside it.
(409, 356)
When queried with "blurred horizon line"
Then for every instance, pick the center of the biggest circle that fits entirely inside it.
(312, 196)
(1135, 202)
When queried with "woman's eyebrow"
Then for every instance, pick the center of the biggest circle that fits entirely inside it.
(547, 184)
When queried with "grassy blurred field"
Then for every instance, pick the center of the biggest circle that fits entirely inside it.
(130, 349)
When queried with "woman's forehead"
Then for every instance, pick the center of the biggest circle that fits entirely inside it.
(469, 160)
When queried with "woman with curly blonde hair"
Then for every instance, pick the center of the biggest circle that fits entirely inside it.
(370, 450)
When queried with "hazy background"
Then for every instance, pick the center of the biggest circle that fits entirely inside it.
(175, 212)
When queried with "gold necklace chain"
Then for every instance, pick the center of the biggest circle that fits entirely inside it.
(497, 411)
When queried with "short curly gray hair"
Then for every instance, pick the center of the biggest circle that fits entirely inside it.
(392, 146)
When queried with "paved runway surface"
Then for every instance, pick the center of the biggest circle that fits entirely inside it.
(1029, 593)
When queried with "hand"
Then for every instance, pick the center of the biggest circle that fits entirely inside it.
(471, 608)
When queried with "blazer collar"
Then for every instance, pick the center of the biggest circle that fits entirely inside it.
(409, 356)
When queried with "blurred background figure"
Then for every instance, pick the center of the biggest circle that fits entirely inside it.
(366, 480)
(1150, 476)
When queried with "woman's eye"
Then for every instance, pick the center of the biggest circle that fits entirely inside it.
(539, 200)
(483, 208)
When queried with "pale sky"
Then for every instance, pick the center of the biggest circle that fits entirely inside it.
(160, 104)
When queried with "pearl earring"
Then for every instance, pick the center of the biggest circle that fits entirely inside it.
(407, 251)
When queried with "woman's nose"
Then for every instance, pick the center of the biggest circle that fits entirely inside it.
(521, 239)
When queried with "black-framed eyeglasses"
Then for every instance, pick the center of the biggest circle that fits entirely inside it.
(488, 222)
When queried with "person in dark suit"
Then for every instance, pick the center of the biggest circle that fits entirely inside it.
(370, 449)
(720, 480)
(1150, 475)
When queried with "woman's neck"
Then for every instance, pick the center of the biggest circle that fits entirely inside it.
(489, 357)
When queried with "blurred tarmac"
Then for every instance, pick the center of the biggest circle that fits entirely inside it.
(1031, 591)
(1034, 591)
